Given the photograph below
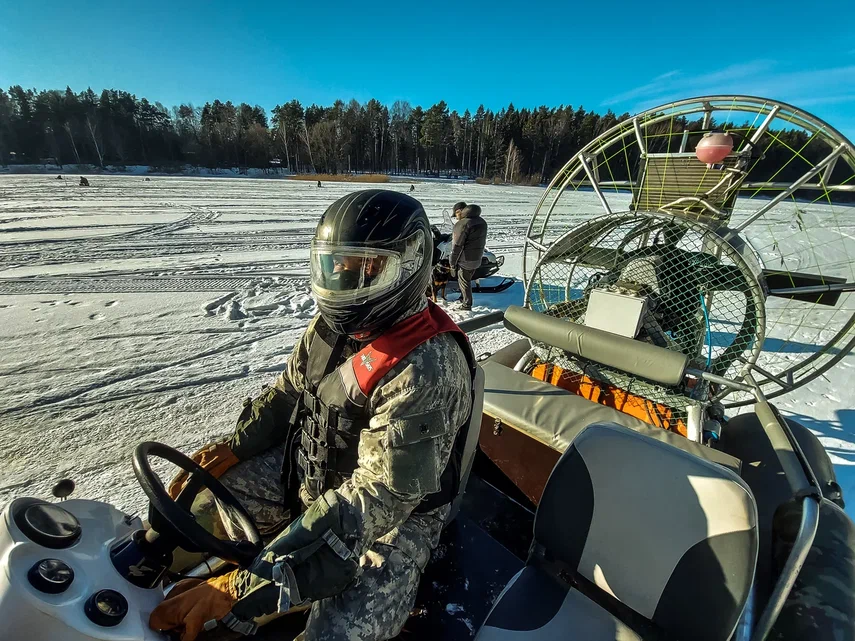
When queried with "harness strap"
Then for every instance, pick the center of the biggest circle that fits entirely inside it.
(246, 628)
(327, 449)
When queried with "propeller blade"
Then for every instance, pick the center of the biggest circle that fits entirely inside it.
(810, 288)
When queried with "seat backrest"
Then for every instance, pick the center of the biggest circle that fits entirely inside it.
(682, 185)
(470, 444)
(666, 533)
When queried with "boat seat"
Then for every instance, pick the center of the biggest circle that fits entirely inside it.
(470, 442)
(555, 417)
(545, 610)
(680, 184)
(633, 538)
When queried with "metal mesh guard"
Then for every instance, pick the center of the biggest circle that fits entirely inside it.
(703, 299)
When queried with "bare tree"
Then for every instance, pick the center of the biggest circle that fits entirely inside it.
(67, 126)
(95, 141)
(308, 144)
(512, 163)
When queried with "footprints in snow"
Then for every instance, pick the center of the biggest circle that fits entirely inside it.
(70, 303)
(264, 298)
(54, 303)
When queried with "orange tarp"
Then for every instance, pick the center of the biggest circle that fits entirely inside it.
(643, 409)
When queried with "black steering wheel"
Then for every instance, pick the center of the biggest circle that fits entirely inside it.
(172, 519)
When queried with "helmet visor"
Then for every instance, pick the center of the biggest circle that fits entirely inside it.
(352, 273)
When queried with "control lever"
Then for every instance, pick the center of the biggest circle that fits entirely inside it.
(63, 489)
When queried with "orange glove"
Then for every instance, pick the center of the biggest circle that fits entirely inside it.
(191, 604)
(216, 459)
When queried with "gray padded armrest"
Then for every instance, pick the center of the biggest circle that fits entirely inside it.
(625, 354)
(555, 416)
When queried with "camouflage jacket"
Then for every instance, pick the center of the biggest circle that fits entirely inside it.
(432, 383)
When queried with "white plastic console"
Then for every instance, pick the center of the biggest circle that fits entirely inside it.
(26, 614)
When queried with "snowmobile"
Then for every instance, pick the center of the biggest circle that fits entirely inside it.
(614, 486)
(490, 263)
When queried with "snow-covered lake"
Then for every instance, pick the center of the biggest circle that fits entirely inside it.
(189, 293)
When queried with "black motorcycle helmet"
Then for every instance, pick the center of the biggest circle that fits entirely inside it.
(370, 260)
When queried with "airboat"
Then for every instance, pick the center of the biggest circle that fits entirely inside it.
(627, 475)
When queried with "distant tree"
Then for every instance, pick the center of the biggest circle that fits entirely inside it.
(288, 123)
(7, 131)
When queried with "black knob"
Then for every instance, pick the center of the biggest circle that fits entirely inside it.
(63, 489)
(51, 576)
(106, 608)
(47, 524)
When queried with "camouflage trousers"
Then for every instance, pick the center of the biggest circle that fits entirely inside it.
(374, 607)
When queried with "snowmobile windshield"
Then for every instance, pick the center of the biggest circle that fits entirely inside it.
(353, 273)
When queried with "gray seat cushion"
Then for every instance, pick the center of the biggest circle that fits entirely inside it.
(555, 416)
(669, 535)
(536, 607)
(665, 540)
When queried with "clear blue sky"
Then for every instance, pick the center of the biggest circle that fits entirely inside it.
(599, 54)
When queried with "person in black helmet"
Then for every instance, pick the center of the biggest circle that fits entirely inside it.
(369, 459)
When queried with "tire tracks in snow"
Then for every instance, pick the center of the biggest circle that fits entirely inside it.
(118, 285)
(50, 401)
(201, 216)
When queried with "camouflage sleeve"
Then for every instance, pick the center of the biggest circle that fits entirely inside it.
(293, 374)
(264, 420)
(416, 414)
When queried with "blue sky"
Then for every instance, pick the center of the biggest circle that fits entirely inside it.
(597, 54)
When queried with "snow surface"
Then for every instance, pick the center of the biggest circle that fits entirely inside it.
(148, 310)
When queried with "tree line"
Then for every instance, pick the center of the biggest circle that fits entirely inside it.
(509, 145)
(117, 128)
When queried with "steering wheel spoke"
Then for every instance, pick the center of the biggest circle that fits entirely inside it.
(190, 491)
(178, 522)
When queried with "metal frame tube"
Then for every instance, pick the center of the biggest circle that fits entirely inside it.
(801, 479)
(754, 186)
(721, 380)
(587, 167)
(766, 373)
(695, 201)
(684, 141)
(694, 430)
(826, 175)
(801, 548)
(837, 151)
(755, 137)
(525, 360)
(708, 109)
(536, 245)
(639, 137)
(562, 187)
